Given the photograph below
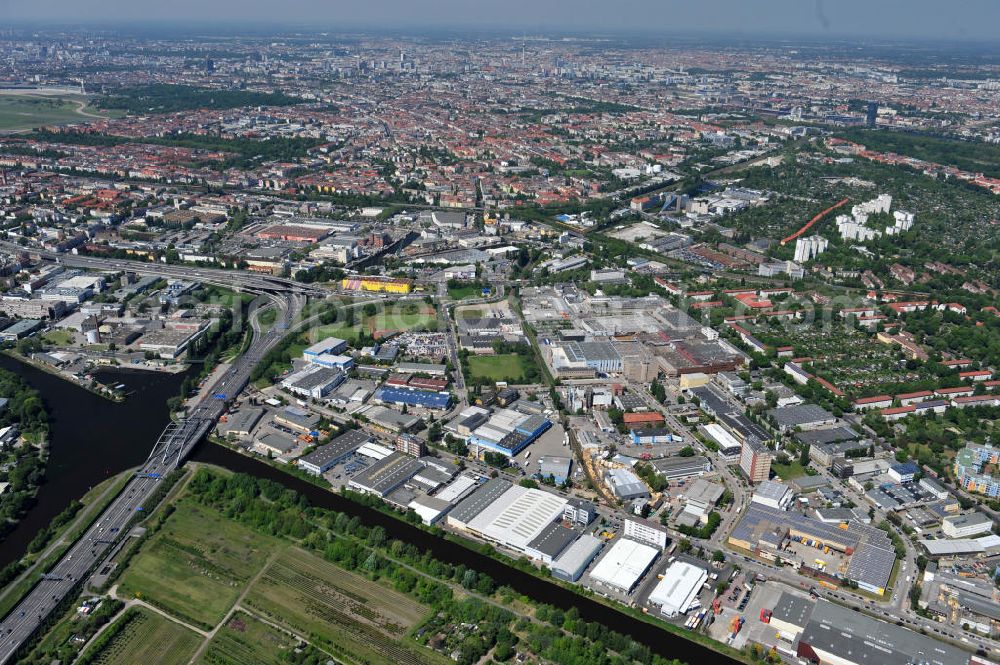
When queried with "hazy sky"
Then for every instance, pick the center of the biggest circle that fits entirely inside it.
(943, 19)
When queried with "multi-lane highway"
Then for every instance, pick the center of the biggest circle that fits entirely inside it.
(170, 450)
(238, 279)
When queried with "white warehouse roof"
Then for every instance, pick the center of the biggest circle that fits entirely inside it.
(624, 564)
(518, 516)
(678, 588)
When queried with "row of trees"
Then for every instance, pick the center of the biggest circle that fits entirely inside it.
(170, 98)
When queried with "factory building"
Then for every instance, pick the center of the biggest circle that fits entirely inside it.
(508, 432)
(835, 634)
(386, 475)
(518, 516)
(409, 397)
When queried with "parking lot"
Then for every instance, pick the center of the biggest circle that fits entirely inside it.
(549, 444)
(341, 474)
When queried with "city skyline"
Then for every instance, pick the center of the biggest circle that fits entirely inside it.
(966, 20)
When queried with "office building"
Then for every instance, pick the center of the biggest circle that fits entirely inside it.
(645, 532)
(871, 114)
(755, 461)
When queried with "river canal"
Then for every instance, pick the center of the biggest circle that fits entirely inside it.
(93, 438)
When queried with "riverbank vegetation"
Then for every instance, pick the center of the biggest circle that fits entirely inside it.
(352, 591)
(22, 462)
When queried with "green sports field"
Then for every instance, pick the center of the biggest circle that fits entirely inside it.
(497, 368)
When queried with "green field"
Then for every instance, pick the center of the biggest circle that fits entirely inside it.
(58, 337)
(354, 619)
(27, 111)
(465, 291)
(245, 640)
(196, 565)
(148, 638)
(502, 367)
(788, 471)
(396, 318)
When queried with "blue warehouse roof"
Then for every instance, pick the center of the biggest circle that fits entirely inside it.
(414, 397)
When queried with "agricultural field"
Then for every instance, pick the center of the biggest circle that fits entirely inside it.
(196, 565)
(499, 367)
(22, 111)
(146, 637)
(246, 640)
(354, 619)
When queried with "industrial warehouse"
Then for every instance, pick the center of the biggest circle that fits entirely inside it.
(678, 590)
(863, 554)
(508, 432)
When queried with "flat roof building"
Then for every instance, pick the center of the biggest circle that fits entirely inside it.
(556, 468)
(327, 456)
(571, 564)
(517, 516)
(625, 484)
(386, 475)
(678, 468)
(410, 397)
(645, 532)
(763, 530)
(755, 461)
(550, 542)
(679, 587)
(241, 423)
(804, 416)
(477, 501)
(836, 634)
(624, 565)
(965, 526)
(790, 614)
(773, 494)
